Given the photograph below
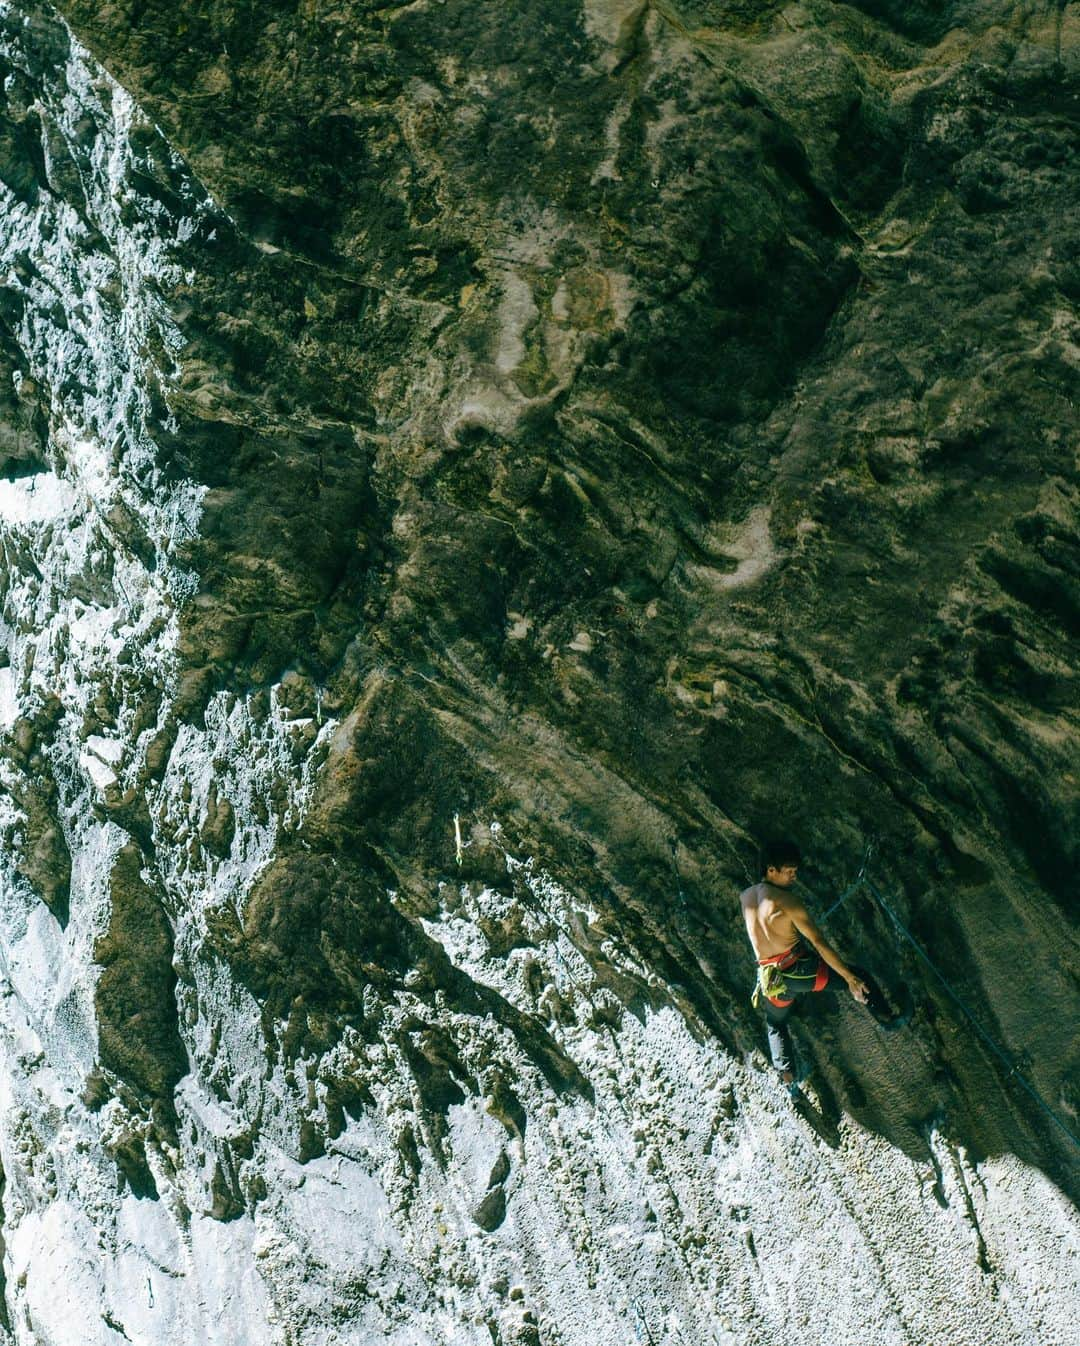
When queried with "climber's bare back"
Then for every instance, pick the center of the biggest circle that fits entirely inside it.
(768, 923)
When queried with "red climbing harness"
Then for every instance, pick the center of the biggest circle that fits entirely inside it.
(773, 981)
(779, 961)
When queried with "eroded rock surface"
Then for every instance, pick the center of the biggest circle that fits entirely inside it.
(631, 429)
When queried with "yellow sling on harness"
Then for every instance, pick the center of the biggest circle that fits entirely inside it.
(770, 983)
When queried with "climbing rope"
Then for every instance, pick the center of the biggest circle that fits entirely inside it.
(859, 879)
(854, 888)
(1012, 1069)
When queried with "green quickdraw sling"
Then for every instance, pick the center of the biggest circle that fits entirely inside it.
(770, 976)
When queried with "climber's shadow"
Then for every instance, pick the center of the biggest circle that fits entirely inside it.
(890, 1079)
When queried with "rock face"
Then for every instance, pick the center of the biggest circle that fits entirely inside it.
(467, 472)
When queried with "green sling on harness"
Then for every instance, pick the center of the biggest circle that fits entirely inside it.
(770, 977)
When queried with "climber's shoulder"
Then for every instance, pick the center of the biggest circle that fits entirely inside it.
(766, 897)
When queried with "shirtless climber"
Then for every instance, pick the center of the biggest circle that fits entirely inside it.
(793, 955)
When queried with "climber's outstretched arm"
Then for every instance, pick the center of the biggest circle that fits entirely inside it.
(804, 923)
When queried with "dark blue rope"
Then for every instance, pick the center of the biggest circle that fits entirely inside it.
(844, 896)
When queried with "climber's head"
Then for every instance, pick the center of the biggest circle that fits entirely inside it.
(780, 861)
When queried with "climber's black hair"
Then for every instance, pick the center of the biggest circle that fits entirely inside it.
(777, 854)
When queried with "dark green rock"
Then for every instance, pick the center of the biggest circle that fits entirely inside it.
(135, 1002)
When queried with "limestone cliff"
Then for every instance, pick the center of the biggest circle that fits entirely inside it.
(467, 472)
